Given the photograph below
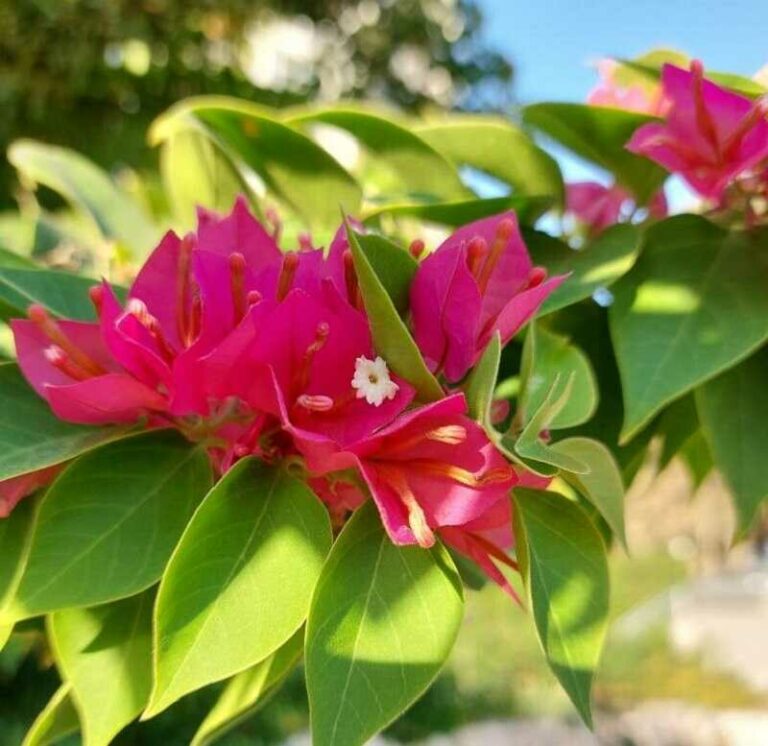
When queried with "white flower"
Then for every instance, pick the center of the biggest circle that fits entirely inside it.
(372, 381)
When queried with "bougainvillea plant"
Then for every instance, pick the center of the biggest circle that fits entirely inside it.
(266, 450)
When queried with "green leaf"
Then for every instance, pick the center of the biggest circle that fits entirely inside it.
(677, 424)
(12, 260)
(240, 581)
(72, 175)
(597, 265)
(383, 620)
(105, 654)
(57, 720)
(563, 563)
(697, 457)
(552, 355)
(196, 171)
(600, 135)
(481, 382)
(248, 691)
(537, 454)
(392, 265)
(15, 538)
(734, 414)
(31, 436)
(499, 148)
(108, 524)
(293, 167)
(454, 214)
(694, 305)
(602, 485)
(420, 168)
(63, 294)
(390, 334)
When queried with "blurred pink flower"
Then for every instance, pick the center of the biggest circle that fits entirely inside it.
(610, 93)
(709, 135)
(598, 207)
(479, 281)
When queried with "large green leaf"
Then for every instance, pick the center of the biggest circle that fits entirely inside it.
(292, 166)
(499, 148)
(196, 171)
(31, 436)
(248, 691)
(600, 135)
(107, 526)
(563, 562)
(694, 305)
(392, 339)
(420, 168)
(383, 620)
(240, 581)
(733, 409)
(105, 654)
(548, 356)
(596, 265)
(57, 720)
(63, 294)
(392, 265)
(454, 214)
(83, 183)
(602, 485)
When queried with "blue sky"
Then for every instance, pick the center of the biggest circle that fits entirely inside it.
(553, 44)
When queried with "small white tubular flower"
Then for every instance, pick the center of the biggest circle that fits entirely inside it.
(372, 381)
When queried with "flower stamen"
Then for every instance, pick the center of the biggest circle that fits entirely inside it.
(48, 326)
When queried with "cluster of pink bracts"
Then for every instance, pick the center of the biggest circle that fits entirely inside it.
(717, 140)
(253, 351)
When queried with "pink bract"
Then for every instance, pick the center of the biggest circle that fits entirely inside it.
(478, 282)
(709, 135)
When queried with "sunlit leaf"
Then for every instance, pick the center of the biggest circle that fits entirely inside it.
(418, 165)
(85, 185)
(563, 562)
(295, 169)
(239, 583)
(196, 171)
(248, 691)
(56, 721)
(694, 305)
(105, 654)
(382, 623)
(102, 534)
(600, 135)
(602, 485)
(596, 265)
(499, 148)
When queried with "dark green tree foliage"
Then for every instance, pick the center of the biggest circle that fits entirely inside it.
(92, 74)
